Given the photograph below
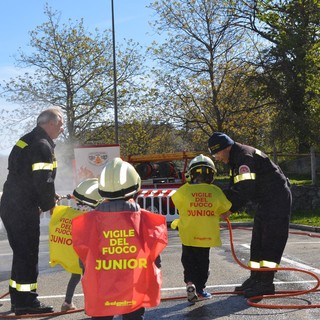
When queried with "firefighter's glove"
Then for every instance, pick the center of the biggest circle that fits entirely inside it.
(175, 224)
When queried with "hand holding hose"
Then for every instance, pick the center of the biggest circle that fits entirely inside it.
(225, 215)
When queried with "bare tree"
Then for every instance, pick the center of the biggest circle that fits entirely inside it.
(71, 68)
(204, 71)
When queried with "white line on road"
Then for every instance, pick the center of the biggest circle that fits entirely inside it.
(60, 296)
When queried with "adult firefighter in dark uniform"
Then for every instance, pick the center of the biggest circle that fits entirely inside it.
(28, 191)
(253, 176)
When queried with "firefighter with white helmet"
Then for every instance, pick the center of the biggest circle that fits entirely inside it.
(200, 205)
(130, 239)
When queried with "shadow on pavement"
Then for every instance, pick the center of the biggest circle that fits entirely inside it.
(204, 310)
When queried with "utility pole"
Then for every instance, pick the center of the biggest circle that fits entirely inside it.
(115, 102)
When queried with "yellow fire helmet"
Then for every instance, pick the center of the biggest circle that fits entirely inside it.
(87, 192)
(119, 180)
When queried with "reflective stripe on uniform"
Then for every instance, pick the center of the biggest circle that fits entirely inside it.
(268, 264)
(254, 264)
(42, 166)
(55, 164)
(26, 287)
(262, 264)
(22, 287)
(244, 176)
(12, 284)
(21, 144)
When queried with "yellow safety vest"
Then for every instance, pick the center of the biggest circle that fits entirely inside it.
(60, 239)
(200, 207)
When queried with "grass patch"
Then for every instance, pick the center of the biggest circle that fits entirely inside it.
(240, 217)
(301, 182)
(308, 218)
(293, 181)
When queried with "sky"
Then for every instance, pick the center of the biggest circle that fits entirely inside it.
(19, 17)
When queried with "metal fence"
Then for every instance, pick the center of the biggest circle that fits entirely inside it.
(159, 201)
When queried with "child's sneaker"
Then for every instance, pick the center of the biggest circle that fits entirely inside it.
(191, 293)
(203, 295)
(68, 306)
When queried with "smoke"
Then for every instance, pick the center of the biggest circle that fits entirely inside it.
(65, 180)
(3, 169)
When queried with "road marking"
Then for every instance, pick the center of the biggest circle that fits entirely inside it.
(61, 296)
(303, 242)
(237, 284)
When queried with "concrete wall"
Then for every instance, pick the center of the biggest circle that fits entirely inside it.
(300, 165)
(305, 198)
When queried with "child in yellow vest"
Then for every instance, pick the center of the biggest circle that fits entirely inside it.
(200, 205)
(87, 196)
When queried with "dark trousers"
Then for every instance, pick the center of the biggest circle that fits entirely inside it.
(23, 232)
(72, 284)
(271, 227)
(195, 262)
(135, 315)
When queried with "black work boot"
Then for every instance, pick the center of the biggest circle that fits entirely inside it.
(28, 303)
(254, 277)
(36, 307)
(263, 287)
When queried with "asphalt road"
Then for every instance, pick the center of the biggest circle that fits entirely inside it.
(302, 252)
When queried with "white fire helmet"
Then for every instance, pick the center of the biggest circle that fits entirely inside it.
(86, 192)
(119, 180)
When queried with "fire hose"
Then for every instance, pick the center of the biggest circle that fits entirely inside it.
(253, 301)
(282, 294)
